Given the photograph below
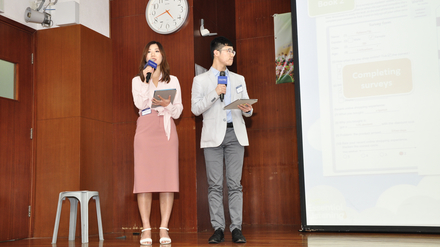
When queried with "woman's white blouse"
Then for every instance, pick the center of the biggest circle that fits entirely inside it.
(143, 96)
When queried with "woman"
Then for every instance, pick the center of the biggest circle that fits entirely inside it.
(156, 144)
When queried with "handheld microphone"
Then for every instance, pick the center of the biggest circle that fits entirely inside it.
(152, 65)
(222, 79)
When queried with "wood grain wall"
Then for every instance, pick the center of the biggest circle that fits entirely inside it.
(73, 124)
(270, 176)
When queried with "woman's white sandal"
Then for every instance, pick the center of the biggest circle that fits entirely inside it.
(164, 240)
(146, 241)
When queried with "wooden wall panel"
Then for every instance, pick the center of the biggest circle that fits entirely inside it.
(270, 182)
(218, 17)
(74, 128)
(58, 72)
(277, 108)
(96, 174)
(202, 44)
(203, 58)
(123, 9)
(96, 76)
(254, 19)
(125, 210)
(186, 200)
(127, 46)
(270, 177)
(16, 120)
(96, 123)
(130, 33)
(57, 169)
(226, 24)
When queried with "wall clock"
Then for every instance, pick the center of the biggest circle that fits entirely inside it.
(166, 16)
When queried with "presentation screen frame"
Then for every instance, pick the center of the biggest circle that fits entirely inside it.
(302, 164)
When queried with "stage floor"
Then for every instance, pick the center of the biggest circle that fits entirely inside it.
(256, 236)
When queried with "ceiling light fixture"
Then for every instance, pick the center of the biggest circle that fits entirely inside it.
(35, 16)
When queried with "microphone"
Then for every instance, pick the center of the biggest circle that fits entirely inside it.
(222, 79)
(152, 65)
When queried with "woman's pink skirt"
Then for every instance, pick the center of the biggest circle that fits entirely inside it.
(156, 159)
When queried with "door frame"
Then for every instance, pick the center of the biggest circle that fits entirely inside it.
(19, 118)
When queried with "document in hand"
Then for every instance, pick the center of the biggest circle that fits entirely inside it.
(234, 105)
(164, 93)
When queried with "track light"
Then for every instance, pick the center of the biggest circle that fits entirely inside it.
(34, 16)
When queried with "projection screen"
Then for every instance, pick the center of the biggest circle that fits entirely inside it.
(368, 97)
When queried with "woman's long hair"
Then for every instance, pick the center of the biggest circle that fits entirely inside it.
(164, 66)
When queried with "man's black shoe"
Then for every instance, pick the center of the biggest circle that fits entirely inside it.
(217, 237)
(237, 236)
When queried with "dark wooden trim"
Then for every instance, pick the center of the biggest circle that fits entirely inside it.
(16, 24)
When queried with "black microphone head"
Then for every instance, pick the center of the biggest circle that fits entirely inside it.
(222, 73)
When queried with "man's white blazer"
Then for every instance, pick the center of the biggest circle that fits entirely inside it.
(204, 100)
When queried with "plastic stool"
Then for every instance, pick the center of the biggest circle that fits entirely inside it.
(83, 197)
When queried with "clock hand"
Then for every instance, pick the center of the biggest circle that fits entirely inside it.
(169, 13)
(166, 11)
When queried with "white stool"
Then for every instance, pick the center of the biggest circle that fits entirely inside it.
(83, 197)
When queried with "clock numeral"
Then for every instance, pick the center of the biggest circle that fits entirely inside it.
(167, 26)
(156, 6)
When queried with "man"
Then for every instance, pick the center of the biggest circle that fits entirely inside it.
(223, 137)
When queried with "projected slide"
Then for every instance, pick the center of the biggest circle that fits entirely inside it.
(373, 92)
(370, 104)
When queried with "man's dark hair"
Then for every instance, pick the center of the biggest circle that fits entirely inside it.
(218, 43)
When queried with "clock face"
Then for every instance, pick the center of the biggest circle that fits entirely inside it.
(166, 16)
